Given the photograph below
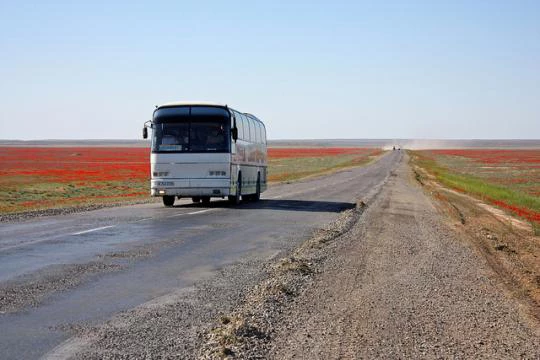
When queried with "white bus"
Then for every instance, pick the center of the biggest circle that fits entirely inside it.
(202, 150)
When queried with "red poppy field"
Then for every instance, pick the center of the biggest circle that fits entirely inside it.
(33, 178)
(509, 179)
(40, 178)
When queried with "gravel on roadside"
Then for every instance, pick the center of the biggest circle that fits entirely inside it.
(246, 332)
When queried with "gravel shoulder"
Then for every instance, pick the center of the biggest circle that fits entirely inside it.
(400, 283)
(508, 244)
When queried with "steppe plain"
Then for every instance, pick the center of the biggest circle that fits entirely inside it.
(377, 258)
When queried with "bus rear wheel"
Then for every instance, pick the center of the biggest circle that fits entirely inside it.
(257, 195)
(205, 200)
(196, 199)
(168, 200)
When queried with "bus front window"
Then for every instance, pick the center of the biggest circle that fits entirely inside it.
(209, 136)
(171, 137)
(190, 132)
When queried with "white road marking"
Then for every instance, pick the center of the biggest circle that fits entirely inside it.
(92, 230)
(191, 213)
(145, 219)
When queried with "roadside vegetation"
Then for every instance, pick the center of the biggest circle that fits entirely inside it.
(289, 164)
(43, 178)
(508, 179)
(39, 178)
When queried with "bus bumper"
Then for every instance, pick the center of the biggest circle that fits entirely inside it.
(191, 187)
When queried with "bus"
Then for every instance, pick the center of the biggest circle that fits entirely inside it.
(201, 150)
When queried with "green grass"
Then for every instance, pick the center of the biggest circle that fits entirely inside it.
(45, 195)
(476, 186)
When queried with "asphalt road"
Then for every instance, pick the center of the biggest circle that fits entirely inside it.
(147, 251)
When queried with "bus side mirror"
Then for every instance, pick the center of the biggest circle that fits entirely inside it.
(234, 132)
(145, 133)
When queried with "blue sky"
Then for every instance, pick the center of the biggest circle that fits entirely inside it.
(309, 69)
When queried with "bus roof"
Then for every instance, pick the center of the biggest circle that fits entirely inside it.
(191, 103)
(204, 103)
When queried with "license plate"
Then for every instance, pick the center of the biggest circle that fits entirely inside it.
(165, 183)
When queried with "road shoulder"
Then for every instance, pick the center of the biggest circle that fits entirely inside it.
(509, 245)
(399, 283)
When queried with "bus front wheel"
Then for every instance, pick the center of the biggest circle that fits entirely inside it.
(168, 200)
(235, 199)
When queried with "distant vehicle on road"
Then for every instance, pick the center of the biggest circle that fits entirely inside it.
(203, 150)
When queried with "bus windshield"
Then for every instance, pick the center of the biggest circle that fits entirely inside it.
(191, 129)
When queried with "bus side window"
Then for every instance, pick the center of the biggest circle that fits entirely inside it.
(239, 125)
(252, 132)
(257, 134)
(247, 135)
(255, 130)
(246, 128)
(263, 134)
(261, 138)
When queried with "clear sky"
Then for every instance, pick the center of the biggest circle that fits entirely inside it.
(309, 69)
